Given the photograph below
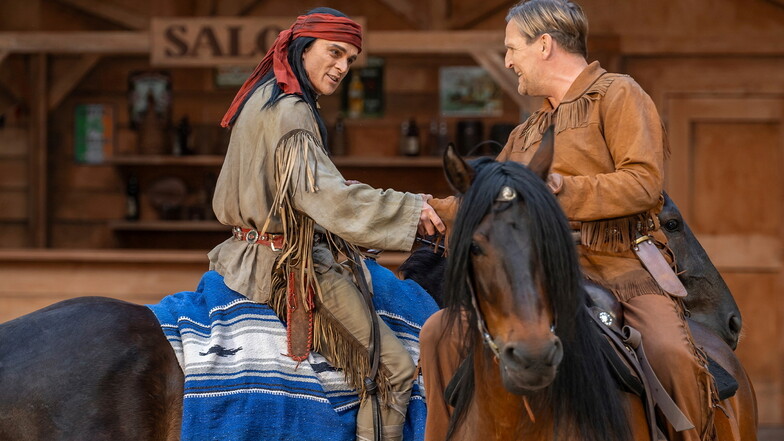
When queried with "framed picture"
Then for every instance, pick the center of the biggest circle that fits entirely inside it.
(147, 88)
(232, 76)
(468, 91)
(93, 133)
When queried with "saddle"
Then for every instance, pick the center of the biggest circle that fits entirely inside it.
(629, 365)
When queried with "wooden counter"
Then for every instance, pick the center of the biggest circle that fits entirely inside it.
(33, 279)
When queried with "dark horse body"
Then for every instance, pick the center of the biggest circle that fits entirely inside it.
(101, 369)
(514, 285)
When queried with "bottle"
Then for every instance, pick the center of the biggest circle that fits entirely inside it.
(356, 94)
(409, 139)
(437, 137)
(132, 199)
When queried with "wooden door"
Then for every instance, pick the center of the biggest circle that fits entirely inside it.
(726, 174)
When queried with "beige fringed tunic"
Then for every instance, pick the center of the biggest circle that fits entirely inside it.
(250, 193)
(610, 149)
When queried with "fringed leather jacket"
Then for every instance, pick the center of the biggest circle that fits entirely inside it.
(610, 147)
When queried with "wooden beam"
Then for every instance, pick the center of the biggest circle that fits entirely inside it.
(66, 82)
(3, 55)
(479, 12)
(106, 42)
(113, 13)
(432, 42)
(235, 8)
(398, 42)
(412, 13)
(203, 8)
(493, 63)
(38, 157)
(438, 14)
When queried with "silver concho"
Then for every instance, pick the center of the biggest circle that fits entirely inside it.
(506, 194)
(606, 318)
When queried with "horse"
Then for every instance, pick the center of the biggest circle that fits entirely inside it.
(513, 283)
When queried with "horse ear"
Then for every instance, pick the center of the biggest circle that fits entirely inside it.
(543, 158)
(459, 174)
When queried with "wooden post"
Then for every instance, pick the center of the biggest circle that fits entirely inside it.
(38, 157)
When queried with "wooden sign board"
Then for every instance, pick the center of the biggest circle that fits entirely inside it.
(216, 41)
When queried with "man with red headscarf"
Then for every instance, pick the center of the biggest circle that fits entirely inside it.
(293, 214)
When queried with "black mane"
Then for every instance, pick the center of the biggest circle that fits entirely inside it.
(583, 397)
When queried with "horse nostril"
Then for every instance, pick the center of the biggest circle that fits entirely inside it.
(556, 353)
(735, 324)
(517, 354)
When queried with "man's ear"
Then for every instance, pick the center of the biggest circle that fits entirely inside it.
(459, 174)
(546, 41)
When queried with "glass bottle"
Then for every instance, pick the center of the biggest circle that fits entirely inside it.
(409, 140)
(356, 95)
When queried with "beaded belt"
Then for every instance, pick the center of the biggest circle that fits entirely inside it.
(273, 240)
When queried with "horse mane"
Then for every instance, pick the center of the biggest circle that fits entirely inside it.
(425, 266)
(583, 397)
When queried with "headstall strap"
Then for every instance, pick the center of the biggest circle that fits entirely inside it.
(488, 339)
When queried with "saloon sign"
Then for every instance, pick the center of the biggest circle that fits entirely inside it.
(213, 41)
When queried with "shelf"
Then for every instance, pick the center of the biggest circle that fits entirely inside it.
(167, 160)
(387, 161)
(217, 160)
(170, 226)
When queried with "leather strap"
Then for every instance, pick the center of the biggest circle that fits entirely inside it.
(654, 262)
(662, 399)
(273, 240)
(633, 361)
(374, 351)
(299, 320)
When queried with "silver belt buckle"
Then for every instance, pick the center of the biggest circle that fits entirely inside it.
(272, 244)
(252, 236)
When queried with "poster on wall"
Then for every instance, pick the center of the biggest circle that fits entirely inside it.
(93, 133)
(149, 89)
(468, 91)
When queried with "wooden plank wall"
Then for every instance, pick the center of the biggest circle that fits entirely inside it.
(716, 78)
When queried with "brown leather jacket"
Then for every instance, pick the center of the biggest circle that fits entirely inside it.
(609, 147)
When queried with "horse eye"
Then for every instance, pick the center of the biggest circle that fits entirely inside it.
(671, 225)
(476, 250)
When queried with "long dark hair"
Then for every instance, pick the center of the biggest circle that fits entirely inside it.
(583, 397)
(296, 49)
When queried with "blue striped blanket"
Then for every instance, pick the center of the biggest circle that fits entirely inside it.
(238, 386)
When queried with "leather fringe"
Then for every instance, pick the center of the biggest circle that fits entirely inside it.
(295, 148)
(569, 114)
(614, 235)
(628, 290)
(330, 338)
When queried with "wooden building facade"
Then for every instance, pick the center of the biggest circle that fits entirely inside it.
(714, 69)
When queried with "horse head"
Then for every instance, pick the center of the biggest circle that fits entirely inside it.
(710, 301)
(507, 251)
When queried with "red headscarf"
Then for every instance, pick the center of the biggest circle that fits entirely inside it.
(326, 26)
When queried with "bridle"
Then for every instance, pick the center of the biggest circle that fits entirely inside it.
(507, 194)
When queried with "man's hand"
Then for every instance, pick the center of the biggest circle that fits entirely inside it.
(446, 209)
(429, 222)
(555, 182)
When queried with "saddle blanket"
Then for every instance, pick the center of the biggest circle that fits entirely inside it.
(239, 386)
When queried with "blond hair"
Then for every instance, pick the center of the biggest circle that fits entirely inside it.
(563, 20)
